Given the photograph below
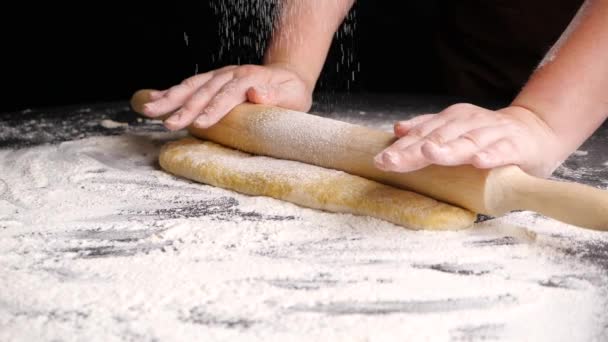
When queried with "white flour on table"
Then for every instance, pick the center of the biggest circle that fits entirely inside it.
(97, 243)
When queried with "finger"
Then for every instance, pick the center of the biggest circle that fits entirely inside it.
(156, 94)
(417, 133)
(175, 96)
(168, 102)
(392, 157)
(195, 106)
(458, 127)
(461, 109)
(402, 127)
(462, 149)
(229, 96)
(262, 94)
(288, 94)
(502, 152)
(265, 94)
(407, 160)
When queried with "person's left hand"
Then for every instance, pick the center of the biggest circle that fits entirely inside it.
(468, 134)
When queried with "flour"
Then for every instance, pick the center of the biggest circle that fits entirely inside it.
(578, 173)
(97, 243)
(311, 136)
(113, 124)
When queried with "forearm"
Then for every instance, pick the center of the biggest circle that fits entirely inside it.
(303, 35)
(569, 91)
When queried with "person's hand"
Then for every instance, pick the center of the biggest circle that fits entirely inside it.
(468, 134)
(202, 100)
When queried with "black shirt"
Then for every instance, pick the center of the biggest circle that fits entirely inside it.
(489, 48)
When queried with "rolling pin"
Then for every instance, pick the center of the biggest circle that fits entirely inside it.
(293, 135)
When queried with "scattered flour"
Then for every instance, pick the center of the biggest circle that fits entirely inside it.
(97, 243)
(113, 124)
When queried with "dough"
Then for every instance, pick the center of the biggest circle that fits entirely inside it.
(308, 185)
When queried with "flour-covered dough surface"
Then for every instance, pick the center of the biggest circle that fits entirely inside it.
(307, 185)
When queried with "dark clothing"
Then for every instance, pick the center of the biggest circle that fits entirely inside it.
(491, 47)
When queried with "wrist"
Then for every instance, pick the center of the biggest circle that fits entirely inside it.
(556, 146)
(568, 137)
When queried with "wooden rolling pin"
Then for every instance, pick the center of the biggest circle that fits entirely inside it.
(311, 139)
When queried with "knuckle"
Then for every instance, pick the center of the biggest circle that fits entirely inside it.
(424, 129)
(416, 132)
(438, 138)
(211, 108)
(474, 138)
(460, 107)
(189, 82)
(415, 120)
(227, 68)
(477, 115)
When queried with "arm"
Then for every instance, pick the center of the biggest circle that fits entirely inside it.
(292, 63)
(304, 34)
(569, 91)
(563, 103)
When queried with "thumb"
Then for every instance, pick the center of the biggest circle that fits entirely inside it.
(263, 94)
(286, 95)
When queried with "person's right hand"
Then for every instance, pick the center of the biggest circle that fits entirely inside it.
(202, 100)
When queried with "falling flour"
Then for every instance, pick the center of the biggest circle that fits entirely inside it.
(98, 243)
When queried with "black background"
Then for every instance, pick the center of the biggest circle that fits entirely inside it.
(64, 54)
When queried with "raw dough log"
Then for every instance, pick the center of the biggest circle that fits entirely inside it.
(308, 185)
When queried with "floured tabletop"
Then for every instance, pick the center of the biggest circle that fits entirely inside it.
(98, 243)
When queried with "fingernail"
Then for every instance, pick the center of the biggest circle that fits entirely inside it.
(148, 107)
(155, 94)
(202, 121)
(174, 119)
(390, 158)
(402, 124)
(378, 160)
(484, 156)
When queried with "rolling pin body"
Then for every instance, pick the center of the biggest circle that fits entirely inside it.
(329, 143)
